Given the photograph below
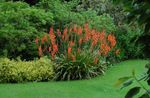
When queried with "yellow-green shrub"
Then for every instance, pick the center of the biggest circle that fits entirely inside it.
(24, 71)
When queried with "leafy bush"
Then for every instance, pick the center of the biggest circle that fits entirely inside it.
(19, 26)
(80, 51)
(64, 15)
(127, 36)
(12, 71)
(138, 10)
(101, 7)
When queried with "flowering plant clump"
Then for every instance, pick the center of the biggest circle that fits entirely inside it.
(77, 49)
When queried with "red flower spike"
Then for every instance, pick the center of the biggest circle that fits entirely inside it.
(79, 31)
(69, 51)
(75, 28)
(111, 38)
(71, 43)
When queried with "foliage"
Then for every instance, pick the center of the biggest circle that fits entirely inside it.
(127, 36)
(80, 51)
(64, 15)
(103, 6)
(126, 81)
(139, 11)
(83, 67)
(12, 71)
(19, 26)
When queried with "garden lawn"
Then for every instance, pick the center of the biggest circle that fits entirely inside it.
(99, 87)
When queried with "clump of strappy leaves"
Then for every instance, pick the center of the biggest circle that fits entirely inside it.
(139, 88)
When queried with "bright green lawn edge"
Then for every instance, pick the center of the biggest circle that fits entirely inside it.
(99, 87)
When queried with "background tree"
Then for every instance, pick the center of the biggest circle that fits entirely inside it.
(139, 10)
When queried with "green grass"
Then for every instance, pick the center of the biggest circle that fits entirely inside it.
(99, 87)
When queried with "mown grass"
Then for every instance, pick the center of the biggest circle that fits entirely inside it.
(99, 87)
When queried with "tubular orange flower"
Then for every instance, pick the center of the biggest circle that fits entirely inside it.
(102, 36)
(104, 49)
(52, 36)
(51, 31)
(65, 31)
(111, 38)
(95, 38)
(69, 51)
(40, 50)
(75, 28)
(79, 32)
(44, 39)
(55, 48)
(71, 43)
(80, 41)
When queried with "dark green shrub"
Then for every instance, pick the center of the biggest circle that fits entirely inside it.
(19, 26)
(138, 10)
(12, 71)
(127, 36)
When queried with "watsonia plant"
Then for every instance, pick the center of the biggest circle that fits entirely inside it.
(79, 52)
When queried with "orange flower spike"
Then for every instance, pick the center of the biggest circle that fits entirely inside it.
(65, 32)
(111, 38)
(79, 30)
(44, 39)
(71, 43)
(96, 60)
(69, 51)
(102, 36)
(80, 41)
(75, 28)
(51, 31)
(52, 36)
(40, 51)
(55, 48)
(95, 39)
